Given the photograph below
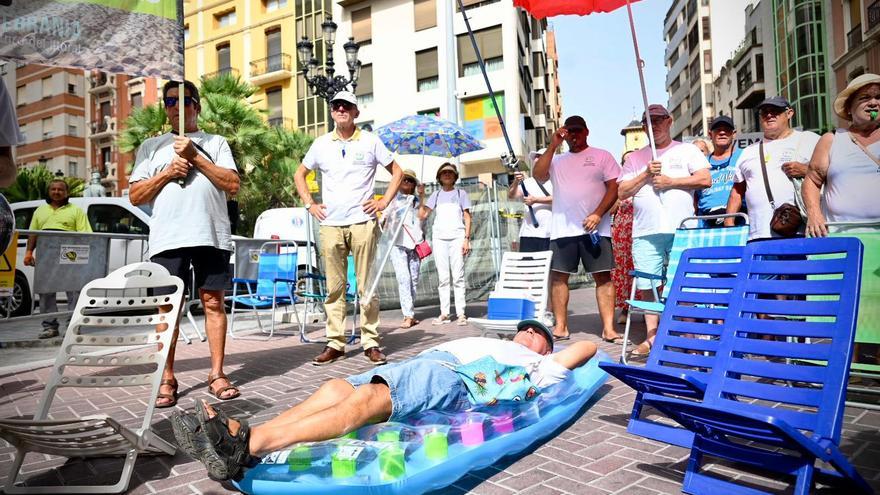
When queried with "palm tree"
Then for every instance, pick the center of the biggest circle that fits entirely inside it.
(33, 183)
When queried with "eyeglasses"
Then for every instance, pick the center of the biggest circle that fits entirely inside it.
(343, 105)
(171, 101)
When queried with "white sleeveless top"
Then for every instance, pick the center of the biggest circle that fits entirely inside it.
(852, 183)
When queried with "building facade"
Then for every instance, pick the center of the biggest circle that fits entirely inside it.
(50, 103)
(634, 137)
(854, 42)
(688, 57)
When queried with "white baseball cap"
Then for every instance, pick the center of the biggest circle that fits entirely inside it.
(345, 96)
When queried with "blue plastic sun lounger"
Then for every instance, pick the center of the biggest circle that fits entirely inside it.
(763, 405)
(687, 339)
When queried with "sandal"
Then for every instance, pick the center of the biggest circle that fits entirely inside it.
(226, 454)
(408, 322)
(614, 340)
(171, 399)
(640, 352)
(218, 394)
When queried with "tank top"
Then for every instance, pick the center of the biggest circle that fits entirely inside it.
(852, 182)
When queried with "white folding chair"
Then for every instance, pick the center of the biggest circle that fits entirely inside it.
(106, 305)
(527, 273)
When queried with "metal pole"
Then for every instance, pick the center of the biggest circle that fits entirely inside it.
(640, 66)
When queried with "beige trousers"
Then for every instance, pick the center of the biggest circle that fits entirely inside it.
(336, 243)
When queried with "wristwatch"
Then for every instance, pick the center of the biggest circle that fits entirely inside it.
(307, 206)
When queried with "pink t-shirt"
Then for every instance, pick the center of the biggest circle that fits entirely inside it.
(661, 212)
(578, 187)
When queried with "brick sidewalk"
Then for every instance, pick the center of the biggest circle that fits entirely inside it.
(594, 455)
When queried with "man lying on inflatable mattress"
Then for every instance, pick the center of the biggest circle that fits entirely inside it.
(445, 377)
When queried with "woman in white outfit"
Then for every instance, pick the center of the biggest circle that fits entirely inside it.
(404, 258)
(451, 234)
(846, 162)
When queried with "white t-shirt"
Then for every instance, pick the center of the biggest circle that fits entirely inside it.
(579, 181)
(194, 215)
(10, 133)
(543, 212)
(412, 234)
(661, 212)
(448, 207)
(798, 147)
(348, 170)
(543, 370)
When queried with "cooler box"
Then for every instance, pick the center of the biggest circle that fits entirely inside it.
(505, 305)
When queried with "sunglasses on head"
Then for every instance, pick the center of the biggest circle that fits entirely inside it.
(344, 105)
(171, 101)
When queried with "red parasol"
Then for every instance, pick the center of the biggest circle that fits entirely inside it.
(548, 8)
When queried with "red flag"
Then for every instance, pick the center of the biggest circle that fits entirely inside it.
(548, 8)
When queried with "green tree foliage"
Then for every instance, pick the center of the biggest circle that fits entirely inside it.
(33, 183)
(266, 156)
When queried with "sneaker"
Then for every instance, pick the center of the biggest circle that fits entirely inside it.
(327, 356)
(375, 356)
(461, 321)
(441, 320)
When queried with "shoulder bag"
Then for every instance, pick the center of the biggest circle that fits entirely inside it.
(787, 219)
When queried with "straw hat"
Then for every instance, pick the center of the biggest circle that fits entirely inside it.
(445, 167)
(412, 174)
(840, 103)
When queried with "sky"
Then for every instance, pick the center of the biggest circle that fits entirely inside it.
(597, 68)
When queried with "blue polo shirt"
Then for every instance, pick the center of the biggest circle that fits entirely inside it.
(722, 172)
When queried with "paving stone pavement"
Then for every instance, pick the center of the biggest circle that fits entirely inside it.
(594, 455)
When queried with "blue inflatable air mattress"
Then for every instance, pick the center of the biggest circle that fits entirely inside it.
(430, 450)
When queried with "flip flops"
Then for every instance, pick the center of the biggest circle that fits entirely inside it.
(619, 340)
(560, 338)
(637, 353)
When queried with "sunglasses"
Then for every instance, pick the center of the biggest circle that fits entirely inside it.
(410, 180)
(343, 105)
(575, 129)
(171, 101)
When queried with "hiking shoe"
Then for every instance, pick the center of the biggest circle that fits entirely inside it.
(375, 356)
(461, 321)
(327, 356)
(441, 320)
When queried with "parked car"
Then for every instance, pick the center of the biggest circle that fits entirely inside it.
(107, 215)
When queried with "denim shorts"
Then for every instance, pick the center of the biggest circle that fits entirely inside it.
(650, 255)
(419, 384)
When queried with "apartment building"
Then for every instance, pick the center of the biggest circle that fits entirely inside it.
(417, 58)
(50, 103)
(110, 100)
(688, 58)
(554, 91)
(854, 41)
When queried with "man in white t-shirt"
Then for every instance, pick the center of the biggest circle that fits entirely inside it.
(585, 187)
(390, 393)
(185, 179)
(663, 196)
(348, 158)
(786, 155)
(10, 135)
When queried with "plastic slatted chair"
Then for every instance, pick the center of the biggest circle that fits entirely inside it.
(687, 340)
(106, 306)
(275, 284)
(762, 407)
(313, 298)
(868, 326)
(685, 238)
(520, 272)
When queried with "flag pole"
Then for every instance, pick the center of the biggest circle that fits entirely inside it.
(640, 66)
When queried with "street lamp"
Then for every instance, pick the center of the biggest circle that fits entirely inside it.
(326, 85)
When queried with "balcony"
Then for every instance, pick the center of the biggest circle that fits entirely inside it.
(223, 71)
(873, 15)
(101, 82)
(854, 37)
(104, 128)
(271, 69)
(281, 122)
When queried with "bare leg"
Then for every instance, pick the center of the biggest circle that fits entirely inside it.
(168, 373)
(215, 328)
(559, 291)
(651, 321)
(605, 302)
(328, 395)
(369, 403)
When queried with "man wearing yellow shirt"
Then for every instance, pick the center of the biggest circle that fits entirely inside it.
(57, 214)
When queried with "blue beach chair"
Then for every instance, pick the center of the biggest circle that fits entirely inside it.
(764, 406)
(274, 286)
(685, 238)
(687, 339)
(312, 299)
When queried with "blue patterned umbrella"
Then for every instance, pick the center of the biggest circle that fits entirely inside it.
(426, 135)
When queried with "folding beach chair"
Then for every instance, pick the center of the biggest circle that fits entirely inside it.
(527, 273)
(868, 325)
(687, 339)
(685, 238)
(275, 284)
(105, 308)
(762, 405)
(311, 299)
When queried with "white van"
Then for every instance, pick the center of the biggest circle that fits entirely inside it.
(106, 215)
(288, 224)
